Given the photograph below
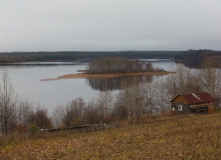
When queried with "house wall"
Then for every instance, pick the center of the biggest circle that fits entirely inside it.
(179, 99)
(185, 107)
(211, 110)
(208, 109)
(202, 104)
(203, 107)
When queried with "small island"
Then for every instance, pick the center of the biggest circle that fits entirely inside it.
(113, 67)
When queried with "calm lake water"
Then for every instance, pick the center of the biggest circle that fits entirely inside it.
(27, 85)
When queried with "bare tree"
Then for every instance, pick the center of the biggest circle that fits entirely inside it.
(74, 111)
(24, 112)
(105, 103)
(182, 81)
(211, 76)
(151, 97)
(132, 101)
(41, 118)
(7, 105)
(58, 116)
(161, 98)
(91, 113)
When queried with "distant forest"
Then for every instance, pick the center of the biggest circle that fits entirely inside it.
(15, 57)
(196, 55)
(194, 58)
(191, 55)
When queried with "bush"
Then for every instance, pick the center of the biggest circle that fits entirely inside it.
(33, 129)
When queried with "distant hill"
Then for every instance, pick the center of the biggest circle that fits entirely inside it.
(193, 58)
(195, 55)
(13, 57)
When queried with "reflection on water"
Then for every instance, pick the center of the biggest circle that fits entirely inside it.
(119, 83)
(191, 64)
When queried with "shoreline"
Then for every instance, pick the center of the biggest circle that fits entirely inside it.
(28, 62)
(106, 76)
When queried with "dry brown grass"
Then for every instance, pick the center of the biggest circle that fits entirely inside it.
(158, 137)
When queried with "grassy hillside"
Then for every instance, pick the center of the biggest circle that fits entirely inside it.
(178, 137)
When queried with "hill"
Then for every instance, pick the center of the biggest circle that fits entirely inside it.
(156, 137)
(194, 58)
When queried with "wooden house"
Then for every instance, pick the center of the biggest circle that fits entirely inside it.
(194, 102)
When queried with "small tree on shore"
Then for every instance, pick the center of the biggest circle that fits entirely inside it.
(7, 105)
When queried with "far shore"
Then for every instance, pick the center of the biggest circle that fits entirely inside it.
(106, 76)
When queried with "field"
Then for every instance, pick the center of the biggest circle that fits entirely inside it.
(155, 137)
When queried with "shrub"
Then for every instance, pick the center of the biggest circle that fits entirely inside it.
(33, 129)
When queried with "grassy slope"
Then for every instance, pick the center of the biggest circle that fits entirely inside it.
(188, 137)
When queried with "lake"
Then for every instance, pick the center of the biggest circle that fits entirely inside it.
(26, 78)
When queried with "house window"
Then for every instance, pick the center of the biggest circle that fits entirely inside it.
(180, 107)
(211, 104)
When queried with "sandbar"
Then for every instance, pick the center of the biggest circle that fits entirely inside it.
(106, 76)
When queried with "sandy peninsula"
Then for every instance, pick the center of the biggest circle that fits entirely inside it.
(106, 76)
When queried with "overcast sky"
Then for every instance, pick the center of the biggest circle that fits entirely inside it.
(109, 25)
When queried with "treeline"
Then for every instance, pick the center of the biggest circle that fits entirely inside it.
(12, 57)
(196, 55)
(105, 65)
(194, 58)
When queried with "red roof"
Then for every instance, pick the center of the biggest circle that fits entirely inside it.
(195, 98)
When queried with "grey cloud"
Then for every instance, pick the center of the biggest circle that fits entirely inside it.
(51, 25)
